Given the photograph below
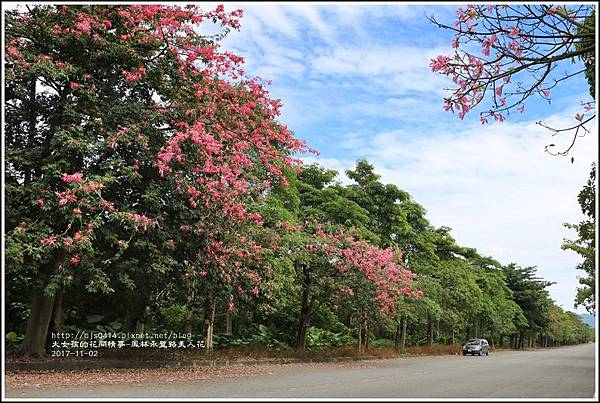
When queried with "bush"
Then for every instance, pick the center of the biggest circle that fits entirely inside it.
(173, 317)
(382, 343)
(261, 336)
(319, 338)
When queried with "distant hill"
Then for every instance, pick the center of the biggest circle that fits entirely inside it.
(589, 319)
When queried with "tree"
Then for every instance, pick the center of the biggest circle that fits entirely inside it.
(585, 244)
(532, 297)
(506, 54)
(114, 112)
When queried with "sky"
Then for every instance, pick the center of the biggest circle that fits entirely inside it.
(355, 83)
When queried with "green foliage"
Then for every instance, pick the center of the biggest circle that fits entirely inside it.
(172, 317)
(260, 335)
(388, 343)
(588, 28)
(317, 339)
(585, 245)
(12, 339)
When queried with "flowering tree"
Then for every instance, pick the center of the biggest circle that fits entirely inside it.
(121, 120)
(332, 265)
(505, 54)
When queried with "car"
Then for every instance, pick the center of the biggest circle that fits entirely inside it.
(476, 346)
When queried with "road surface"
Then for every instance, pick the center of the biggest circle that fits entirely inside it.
(565, 372)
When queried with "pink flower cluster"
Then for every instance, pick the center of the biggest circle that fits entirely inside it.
(135, 75)
(73, 178)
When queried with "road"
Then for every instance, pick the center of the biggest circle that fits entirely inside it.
(565, 372)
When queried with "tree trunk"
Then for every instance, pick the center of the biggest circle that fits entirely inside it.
(210, 329)
(190, 304)
(189, 320)
(501, 340)
(305, 311)
(403, 338)
(429, 330)
(228, 324)
(34, 343)
(521, 340)
(41, 310)
(360, 350)
(453, 339)
(398, 335)
(140, 326)
(56, 322)
(366, 335)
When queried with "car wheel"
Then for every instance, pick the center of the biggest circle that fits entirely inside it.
(464, 353)
(487, 353)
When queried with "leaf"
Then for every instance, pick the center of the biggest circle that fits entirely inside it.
(94, 318)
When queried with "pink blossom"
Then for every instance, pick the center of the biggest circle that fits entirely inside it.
(134, 75)
(514, 32)
(14, 53)
(84, 27)
(90, 186)
(48, 241)
(106, 205)
(255, 217)
(65, 197)
(74, 86)
(39, 202)
(73, 178)
(75, 259)
(439, 63)
(516, 48)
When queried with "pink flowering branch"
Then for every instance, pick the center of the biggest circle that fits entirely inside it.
(496, 44)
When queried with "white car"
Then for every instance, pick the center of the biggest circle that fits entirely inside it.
(476, 346)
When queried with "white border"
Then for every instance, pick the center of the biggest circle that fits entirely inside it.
(449, 3)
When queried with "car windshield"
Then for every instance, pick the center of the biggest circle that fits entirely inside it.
(471, 342)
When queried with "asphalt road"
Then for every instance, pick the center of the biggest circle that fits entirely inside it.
(565, 372)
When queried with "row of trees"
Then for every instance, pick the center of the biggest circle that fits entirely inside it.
(150, 185)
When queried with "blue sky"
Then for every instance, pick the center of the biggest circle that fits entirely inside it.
(355, 83)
